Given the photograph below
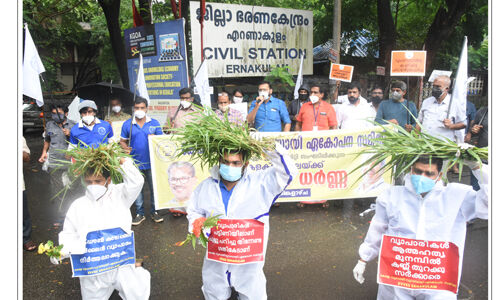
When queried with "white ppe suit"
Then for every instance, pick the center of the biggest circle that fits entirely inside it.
(442, 215)
(110, 211)
(251, 198)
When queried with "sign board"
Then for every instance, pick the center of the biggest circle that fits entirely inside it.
(380, 71)
(245, 40)
(408, 63)
(106, 250)
(236, 241)
(324, 160)
(341, 72)
(163, 48)
(418, 264)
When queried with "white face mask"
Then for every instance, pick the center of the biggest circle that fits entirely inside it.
(313, 99)
(88, 119)
(95, 191)
(264, 94)
(139, 114)
(186, 104)
(224, 108)
(116, 108)
(238, 99)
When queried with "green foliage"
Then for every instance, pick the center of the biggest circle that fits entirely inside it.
(191, 238)
(281, 77)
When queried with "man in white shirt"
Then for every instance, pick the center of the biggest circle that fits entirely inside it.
(355, 114)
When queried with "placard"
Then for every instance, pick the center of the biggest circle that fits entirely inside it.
(341, 72)
(408, 63)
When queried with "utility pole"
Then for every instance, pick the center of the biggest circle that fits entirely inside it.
(337, 17)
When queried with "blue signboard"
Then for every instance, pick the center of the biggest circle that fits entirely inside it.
(163, 48)
(106, 250)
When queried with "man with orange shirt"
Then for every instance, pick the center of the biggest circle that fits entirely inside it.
(316, 114)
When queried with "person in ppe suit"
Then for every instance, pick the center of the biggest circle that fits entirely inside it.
(104, 206)
(234, 193)
(424, 209)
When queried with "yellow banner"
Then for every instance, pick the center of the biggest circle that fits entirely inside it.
(324, 160)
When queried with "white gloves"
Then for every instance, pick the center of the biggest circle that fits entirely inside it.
(358, 271)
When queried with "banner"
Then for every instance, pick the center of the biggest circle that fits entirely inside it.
(117, 131)
(106, 250)
(324, 160)
(163, 48)
(418, 264)
(236, 241)
(245, 40)
(341, 72)
(408, 63)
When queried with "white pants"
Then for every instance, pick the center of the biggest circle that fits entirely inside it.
(132, 284)
(386, 292)
(248, 280)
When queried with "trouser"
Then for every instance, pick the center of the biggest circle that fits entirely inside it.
(139, 202)
(26, 220)
(386, 292)
(248, 280)
(132, 283)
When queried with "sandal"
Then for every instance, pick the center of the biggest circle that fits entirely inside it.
(326, 204)
(29, 246)
(300, 205)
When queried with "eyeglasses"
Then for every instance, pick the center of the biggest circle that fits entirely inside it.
(179, 180)
(185, 98)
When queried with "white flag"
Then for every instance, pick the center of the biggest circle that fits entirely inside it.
(202, 85)
(299, 81)
(140, 84)
(459, 95)
(32, 67)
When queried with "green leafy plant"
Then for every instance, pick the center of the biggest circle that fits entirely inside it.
(281, 75)
(198, 233)
(50, 250)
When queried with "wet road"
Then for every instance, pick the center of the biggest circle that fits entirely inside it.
(311, 251)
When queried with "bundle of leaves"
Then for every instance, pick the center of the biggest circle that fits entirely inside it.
(401, 149)
(198, 233)
(207, 138)
(50, 250)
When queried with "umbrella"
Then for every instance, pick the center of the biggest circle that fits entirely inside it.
(102, 92)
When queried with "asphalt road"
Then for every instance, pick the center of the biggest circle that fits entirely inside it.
(311, 251)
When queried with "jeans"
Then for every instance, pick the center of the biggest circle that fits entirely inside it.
(26, 220)
(139, 202)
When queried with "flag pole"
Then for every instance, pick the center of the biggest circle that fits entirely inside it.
(455, 82)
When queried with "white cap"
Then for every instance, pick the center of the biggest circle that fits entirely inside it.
(87, 103)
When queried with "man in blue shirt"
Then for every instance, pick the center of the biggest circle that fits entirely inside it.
(395, 110)
(90, 131)
(267, 113)
(137, 145)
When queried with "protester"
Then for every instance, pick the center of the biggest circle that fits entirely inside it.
(177, 117)
(478, 135)
(90, 131)
(233, 115)
(316, 114)
(433, 114)
(28, 244)
(344, 99)
(182, 180)
(137, 145)
(294, 107)
(424, 209)
(377, 95)
(56, 139)
(267, 113)
(397, 110)
(355, 115)
(238, 96)
(234, 193)
(105, 206)
(117, 114)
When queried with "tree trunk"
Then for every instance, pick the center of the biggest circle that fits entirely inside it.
(145, 11)
(187, 31)
(387, 36)
(111, 9)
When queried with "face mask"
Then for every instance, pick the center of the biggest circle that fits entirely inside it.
(230, 174)
(396, 96)
(186, 104)
(116, 108)
(139, 114)
(314, 99)
(436, 92)
(238, 99)
(264, 94)
(352, 99)
(88, 119)
(95, 191)
(58, 118)
(376, 100)
(422, 184)
(224, 108)
(303, 97)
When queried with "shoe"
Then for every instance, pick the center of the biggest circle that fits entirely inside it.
(156, 217)
(138, 219)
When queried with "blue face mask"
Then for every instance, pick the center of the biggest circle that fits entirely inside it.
(422, 184)
(230, 174)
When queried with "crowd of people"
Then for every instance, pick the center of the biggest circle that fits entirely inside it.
(310, 112)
